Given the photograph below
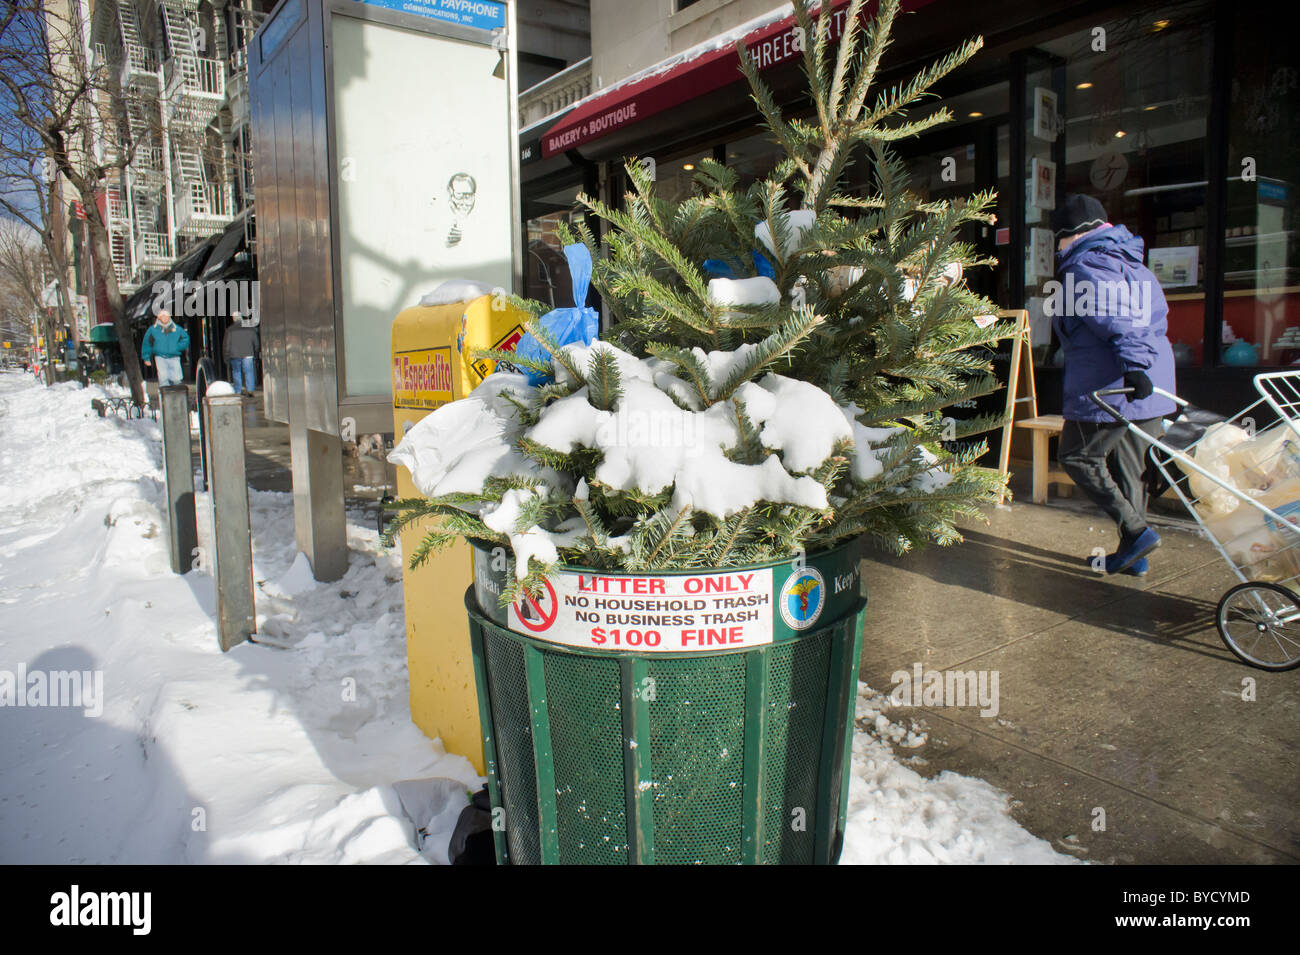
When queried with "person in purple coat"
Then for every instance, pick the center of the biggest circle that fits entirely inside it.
(1109, 315)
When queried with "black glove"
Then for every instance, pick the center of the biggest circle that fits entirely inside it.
(1137, 380)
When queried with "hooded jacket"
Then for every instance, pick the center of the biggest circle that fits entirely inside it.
(171, 343)
(1109, 314)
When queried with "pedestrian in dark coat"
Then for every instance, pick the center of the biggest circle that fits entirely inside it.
(1109, 314)
(240, 346)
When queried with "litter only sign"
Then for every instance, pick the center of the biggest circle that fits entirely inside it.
(651, 614)
(707, 612)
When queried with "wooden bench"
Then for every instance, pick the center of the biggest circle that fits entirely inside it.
(1043, 428)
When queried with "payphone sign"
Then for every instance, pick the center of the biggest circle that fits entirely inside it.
(479, 14)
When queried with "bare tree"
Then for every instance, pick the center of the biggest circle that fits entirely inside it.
(17, 323)
(23, 273)
(30, 196)
(78, 114)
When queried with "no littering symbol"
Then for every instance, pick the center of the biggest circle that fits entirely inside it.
(536, 615)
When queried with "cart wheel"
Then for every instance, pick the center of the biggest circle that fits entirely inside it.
(1260, 623)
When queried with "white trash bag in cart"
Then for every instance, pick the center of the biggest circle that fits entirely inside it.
(1240, 479)
(1212, 452)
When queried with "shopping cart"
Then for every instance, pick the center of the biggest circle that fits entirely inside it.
(1239, 478)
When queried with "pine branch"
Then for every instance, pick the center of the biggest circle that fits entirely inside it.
(770, 111)
(776, 346)
(658, 538)
(580, 461)
(508, 356)
(875, 41)
(749, 449)
(735, 531)
(603, 385)
(596, 527)
(688, 363)
(848, 53)
(652, 237)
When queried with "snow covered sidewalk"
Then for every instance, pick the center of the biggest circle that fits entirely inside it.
(267, 754)
(257, 755)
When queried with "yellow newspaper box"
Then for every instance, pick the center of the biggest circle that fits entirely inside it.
(432, 365)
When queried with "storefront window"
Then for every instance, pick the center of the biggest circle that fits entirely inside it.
(1120, 112)
(753, 158)
(675, 178)
(546, 272)
(968, 154)
(1261, 298)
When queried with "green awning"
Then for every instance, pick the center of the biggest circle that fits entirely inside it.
(103, 334)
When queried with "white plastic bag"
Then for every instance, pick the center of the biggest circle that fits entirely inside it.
(1265, 548)
(1212, 454)
(1265, 460)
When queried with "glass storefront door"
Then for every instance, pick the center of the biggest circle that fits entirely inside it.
(956, 163)
(970, 155)
(1261, 295)
(546, 271)
(1119, 111)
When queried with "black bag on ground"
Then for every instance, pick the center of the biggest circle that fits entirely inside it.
(471, 841)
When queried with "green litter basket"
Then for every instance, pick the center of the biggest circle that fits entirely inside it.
(600, 756)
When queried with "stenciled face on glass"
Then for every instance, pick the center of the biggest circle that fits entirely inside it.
(461, 190)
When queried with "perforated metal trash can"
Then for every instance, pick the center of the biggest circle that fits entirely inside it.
(655, 754)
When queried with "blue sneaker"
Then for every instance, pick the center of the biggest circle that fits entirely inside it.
(1131, 551)
(1138, 568)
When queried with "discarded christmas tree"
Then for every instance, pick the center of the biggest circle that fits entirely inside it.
(774, 379)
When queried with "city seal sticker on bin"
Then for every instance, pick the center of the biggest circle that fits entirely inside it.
(803, 595)
(682, 613)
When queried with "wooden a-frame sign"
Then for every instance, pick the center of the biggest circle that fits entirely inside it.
(1020, 376)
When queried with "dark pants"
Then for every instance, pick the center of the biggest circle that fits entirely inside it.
(1107, 462)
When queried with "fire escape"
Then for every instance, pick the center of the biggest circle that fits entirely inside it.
(146, 175)
(177, 188)
(194, 92)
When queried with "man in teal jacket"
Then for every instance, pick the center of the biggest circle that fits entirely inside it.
(164, 343)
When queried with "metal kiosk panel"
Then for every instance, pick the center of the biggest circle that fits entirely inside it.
(384, 135)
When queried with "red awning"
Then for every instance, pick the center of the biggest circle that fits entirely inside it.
(698, 71)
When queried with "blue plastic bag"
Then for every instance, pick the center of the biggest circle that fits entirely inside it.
(718, 269)
(567, 326)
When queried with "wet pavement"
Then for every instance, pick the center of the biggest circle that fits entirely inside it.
(1125, 730)
(268, 464)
